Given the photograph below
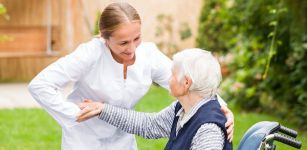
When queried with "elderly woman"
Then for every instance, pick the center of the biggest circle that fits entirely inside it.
(195, 121)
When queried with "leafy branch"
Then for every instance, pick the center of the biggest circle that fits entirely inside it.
(3, 12)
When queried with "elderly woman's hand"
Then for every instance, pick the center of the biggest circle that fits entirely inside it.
(89, 109)
(230, 122)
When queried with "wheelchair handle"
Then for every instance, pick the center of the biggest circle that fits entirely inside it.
(287, 140)
(288, 131)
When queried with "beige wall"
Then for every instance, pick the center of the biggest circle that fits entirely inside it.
(28, 16)
(32, 12)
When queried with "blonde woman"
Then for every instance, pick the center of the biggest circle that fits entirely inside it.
(117, 68)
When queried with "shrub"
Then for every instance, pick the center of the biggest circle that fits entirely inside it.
(267, 41)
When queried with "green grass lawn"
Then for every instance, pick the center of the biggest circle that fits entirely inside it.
(34, 129)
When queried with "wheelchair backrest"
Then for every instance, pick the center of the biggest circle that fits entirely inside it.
(253, 137)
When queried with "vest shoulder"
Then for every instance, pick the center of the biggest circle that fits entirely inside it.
(211, 113)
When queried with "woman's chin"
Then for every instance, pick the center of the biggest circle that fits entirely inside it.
(128, 57)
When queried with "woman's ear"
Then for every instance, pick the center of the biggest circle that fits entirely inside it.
(187, 82)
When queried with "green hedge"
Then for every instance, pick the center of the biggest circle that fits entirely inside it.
(267, 43)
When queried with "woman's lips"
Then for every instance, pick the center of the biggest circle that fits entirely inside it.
(128, 54)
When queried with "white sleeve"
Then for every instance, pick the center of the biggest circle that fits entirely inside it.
(161, 67)
(46, 87)
(221, 100)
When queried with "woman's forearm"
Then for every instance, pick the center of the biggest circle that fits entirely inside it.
(147, 125)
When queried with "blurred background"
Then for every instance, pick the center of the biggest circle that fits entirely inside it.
(261, 46)
(41, 30)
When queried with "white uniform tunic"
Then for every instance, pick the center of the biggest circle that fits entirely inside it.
(97, 76)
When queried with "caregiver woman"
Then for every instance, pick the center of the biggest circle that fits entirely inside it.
(117, 69)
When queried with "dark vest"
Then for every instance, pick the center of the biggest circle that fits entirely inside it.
(210, 112)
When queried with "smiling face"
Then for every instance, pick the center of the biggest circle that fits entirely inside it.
(124, 41)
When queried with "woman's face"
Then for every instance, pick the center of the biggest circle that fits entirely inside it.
(124, 40)
(176, 86)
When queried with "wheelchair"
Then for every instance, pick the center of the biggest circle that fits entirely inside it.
(262, 135)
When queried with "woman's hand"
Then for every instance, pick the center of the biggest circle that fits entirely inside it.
(230, 122)
(89, 109)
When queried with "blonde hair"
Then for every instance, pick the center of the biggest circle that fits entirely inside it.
(114, 15)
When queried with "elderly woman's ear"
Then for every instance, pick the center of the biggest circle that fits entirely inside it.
(187, 83)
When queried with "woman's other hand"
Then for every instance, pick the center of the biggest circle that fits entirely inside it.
(230, 122)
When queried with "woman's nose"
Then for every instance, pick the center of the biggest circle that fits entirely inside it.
(132, 47)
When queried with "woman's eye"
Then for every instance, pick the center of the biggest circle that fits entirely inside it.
(136, 38)
(123, 44)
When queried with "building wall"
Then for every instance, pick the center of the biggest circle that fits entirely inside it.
(23, 54)
(26, 16)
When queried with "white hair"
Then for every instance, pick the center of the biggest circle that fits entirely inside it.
(203, 69)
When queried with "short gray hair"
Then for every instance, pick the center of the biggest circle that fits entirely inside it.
(202, 67)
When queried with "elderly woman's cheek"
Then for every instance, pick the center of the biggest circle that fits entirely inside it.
(172, 87)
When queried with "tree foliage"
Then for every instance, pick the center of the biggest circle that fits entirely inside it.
(3, 12)
(267, 41)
